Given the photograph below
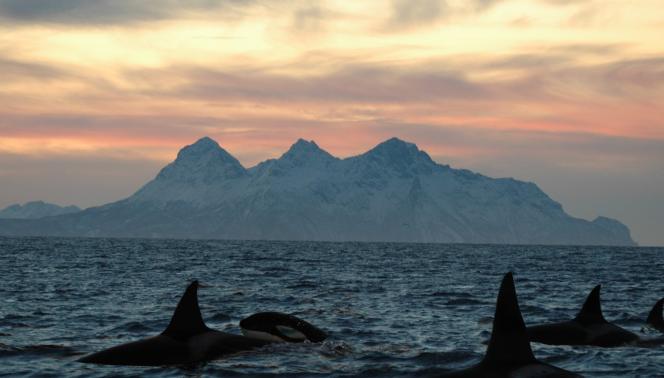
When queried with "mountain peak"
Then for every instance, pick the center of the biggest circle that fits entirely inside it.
(303, 151)
(206, 140)
(396, 141)
(301, 143)
(303, 146)
(200, 147)
(400, 155)
(205, 149)
(203, 160)
(394, 146)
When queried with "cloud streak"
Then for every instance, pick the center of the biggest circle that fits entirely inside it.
(16, 70)
(412, 14)
(107, 12)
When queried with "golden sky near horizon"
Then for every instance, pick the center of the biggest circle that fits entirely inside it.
(574, 85)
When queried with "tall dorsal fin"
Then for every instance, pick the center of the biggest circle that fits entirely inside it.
(655, 316)
(591, 312)
(509, 344)
(187, 320)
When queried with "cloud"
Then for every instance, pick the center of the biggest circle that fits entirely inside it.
(579, 151)
(351, 84)
(566, 2)
(16, 70)
(562, 73)
(530, 90)
(309, 18)
(105, 12)
(482, 5)
(140, 129)
(546, 80)
(410, 14)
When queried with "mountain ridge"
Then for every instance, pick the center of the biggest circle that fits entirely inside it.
(35, 210)
(393, 192)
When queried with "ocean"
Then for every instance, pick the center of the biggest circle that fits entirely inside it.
(392, 310)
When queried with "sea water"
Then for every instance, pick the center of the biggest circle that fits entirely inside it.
(391, 309)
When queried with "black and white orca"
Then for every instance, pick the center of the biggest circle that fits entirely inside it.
(588, 328)
(508, 354)
(655, 319)
(186, 340)
(276, 326)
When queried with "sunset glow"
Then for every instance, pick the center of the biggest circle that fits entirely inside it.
(478, 84)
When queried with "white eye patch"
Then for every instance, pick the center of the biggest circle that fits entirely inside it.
(261, 335)
(290, 332)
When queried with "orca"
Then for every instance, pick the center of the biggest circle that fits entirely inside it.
(186, 340)
(509, 353)
(588, 328)
(277, 326)
(655, 319)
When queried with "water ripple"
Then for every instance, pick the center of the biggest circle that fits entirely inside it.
(393, 310)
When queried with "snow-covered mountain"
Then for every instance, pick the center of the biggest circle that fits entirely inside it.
(394, 192)
(36, 209)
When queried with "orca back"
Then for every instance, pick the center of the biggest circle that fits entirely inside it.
(509, 353)
(655, 318)
(186, 340)
(509, 344)
(591, 312)
(187, 320)
(153, 351)
(169, 347)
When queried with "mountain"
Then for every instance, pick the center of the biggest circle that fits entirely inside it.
(35, 209)
(394, 192)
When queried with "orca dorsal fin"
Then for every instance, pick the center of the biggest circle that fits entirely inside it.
(655, 316)
(509, 344)
(187, 320)
(591, 312)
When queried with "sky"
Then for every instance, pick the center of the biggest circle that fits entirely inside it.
(97, 95)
